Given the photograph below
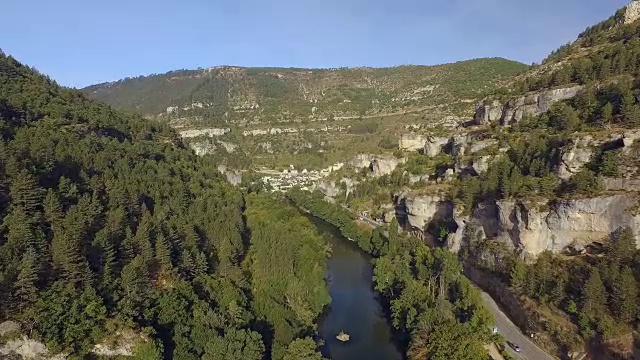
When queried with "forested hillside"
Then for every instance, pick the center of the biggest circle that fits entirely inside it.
(109, 226)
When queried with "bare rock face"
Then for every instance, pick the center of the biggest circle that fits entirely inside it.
(383, 165)
(621, 184)
(204, 132)
(234, 177)
(568, 222)
(575, 157)
(434, 145)
(328, 188)
(122, 345)
(632, 12)
(535, 104)
(530, 105)
(412, 142)
(361, 161)
(481, 165)
(488, 113)
(421, 210)
(25, 348)
(481, 145)
(9, 327)
(203, 148)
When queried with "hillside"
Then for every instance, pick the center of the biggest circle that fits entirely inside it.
(117, 241)
(235, 95)
(309, 118)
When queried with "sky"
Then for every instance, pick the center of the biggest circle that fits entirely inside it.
(83, 42)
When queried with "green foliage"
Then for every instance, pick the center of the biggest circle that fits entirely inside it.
(287, 263)
(302, 349)
(363, 127)
(584, 183)
(525, 172)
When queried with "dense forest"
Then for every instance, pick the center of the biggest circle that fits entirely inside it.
(107, 225)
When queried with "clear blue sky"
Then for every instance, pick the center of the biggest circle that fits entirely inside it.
(82, 42)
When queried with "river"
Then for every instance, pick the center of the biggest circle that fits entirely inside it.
(354, 308)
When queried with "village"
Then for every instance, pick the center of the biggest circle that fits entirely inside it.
(278, 181)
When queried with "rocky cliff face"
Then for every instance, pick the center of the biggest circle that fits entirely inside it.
(566, 223)
(514, 110)
(412, 142)
(434, 145)
(383, 165)
(530, 227)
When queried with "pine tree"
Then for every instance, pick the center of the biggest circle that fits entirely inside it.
(630, 111)
(187, 265)
(127, 248)
(25, 286)
(52, 209)
(163, 253)
(606, 114)
(518, 276)
(624, 247)
(594, 296)
(624, 299)
(201, 264)
(26, 193)
(144, 234)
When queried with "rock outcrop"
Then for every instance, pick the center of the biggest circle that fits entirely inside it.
(632, 12)
(621, 184)
(419, 211)
(481, 164)
(204, 132)
(488, 113)
(121, 345)
(577, 222)
(234, 177)
(383, 165)
(514, 110)
(412, 142)
(203, 148)
(361, 161)
(575, 157)
(25, 348)
(328, 188)
(434, 145)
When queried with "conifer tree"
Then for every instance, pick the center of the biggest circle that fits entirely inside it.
(624, 299)
(594, 297)
(25, 286)
(163, 253)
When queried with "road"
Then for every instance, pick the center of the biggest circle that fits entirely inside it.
(511, 333)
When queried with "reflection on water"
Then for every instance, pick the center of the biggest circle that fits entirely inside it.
(354, 308)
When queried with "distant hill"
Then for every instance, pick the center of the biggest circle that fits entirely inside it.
(239, 95)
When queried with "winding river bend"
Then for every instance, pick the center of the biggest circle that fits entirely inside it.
(354, 308)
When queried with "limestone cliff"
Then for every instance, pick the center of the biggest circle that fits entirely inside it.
(514, 110)
(534, 227)
(530, 227)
